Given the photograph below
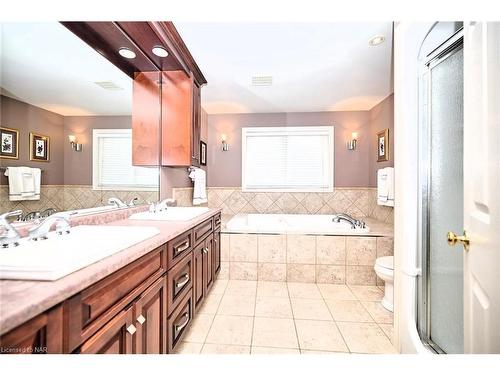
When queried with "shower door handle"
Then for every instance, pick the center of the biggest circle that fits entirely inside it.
(453, 239)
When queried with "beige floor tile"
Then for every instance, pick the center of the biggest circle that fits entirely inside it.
(388, 330)
(273, 307)
(321, 352)
(225, 349)
(314, 309)
(367, 293)
(199, 328)
(211, 304)
(348, 311)
(219, 286)
(276, 333)
(304, 290)
(271, 289)
(319, 335)
(237, 305)
(365, 338)
(268, 350)
(378, 312)
(336, 292)
(188, 348)
(231, 330)
(241, 287)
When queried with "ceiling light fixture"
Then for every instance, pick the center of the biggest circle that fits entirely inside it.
(127, 53)
(160, 51)
(376, 40)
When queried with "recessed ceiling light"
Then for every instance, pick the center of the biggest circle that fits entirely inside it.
(376, 40)
(160, 51)
(127, 53)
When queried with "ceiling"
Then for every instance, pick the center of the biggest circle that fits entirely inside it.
(315, 66)
(46, 65)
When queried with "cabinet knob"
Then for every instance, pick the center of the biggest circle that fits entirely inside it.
(141, 319)
(131, 329)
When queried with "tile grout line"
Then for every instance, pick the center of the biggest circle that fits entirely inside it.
(334, 321)
(254, 308)
(215, 315)
(293, 318)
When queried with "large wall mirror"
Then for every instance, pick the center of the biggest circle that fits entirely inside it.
(67, 113)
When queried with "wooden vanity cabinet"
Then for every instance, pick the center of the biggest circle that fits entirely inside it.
(41, 335)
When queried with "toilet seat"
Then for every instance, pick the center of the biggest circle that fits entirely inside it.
(385, 262)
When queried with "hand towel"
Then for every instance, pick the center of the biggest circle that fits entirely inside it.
(199, 177)
(385, 186)
(24, 183)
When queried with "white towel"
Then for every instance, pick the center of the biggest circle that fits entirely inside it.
(385, 186)
(24, 183)
(199, 177)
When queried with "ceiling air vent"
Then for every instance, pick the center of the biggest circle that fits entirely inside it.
(262, 80)
(108, 85)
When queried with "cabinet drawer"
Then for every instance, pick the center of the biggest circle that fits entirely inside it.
(179, 321)
(178, 247)
(202, 230)
(179, 282)
(217, 220)
(91, 309)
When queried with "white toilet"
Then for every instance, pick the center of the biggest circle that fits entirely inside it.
(384, 268)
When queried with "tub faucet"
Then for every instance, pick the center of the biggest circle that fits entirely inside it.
(61, 219)
(345, 217)
(10, 236)
(117, 202)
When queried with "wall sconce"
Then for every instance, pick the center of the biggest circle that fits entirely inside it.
(225, 145)
(74, 143)
(351, 145)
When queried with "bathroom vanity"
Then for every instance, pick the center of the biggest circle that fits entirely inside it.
(140, 300)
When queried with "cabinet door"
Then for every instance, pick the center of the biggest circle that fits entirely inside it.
(196, 125)
(198, 289)
(42, 334)
(116, 337)
(151, 319)
(208, 264)
(216, 252)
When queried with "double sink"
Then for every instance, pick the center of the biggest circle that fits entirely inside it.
(58, 256)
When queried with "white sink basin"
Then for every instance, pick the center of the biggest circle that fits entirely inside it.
(171, 214)
(59, 256)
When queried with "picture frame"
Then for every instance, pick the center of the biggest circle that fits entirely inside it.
(203, 153)
(383, 147)
(39, 147)
(9, 143)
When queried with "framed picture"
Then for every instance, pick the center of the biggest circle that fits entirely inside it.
(39, 147)
(383, 145)
(203, 153)
(9, 146)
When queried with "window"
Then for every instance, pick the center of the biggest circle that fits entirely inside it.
(287, 159)
(112, 163)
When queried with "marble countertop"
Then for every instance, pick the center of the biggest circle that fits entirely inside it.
(377, 228)
(22, 300)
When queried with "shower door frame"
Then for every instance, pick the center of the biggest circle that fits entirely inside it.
(437, 56)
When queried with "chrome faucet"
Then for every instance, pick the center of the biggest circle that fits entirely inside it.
(40, 232)
(133, 202)
(162, 205)
(345, 217)
(10, 237)
(117, 202)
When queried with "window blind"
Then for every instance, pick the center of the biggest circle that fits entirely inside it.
(287, 158)
(112, 163)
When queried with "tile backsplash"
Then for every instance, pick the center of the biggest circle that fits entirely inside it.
(358, 202)
(71, 197)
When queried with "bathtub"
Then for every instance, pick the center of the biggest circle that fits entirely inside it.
(291, 223)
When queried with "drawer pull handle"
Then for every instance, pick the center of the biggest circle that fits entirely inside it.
(205, 250)
(184, 247)
(131, 329)
(141, 319)
(179, 327)
(180, 284)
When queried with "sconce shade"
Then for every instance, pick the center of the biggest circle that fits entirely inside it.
(72, 138)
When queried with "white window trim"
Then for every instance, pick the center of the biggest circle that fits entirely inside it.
(329, 130)
(95, 163)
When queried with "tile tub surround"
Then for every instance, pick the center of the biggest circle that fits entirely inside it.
(71, 197)
(290, 318)
(303, 258)
(22, 300)
(358, 202)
